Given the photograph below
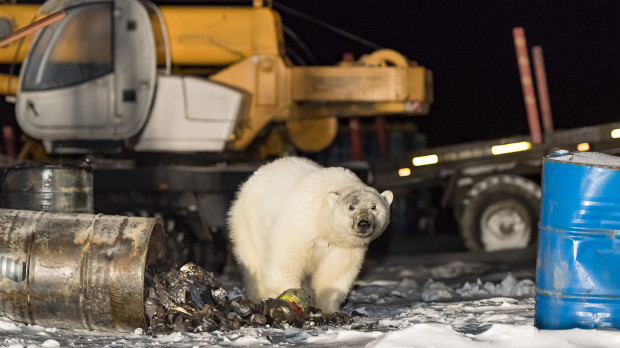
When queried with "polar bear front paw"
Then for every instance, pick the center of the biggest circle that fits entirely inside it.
(330, 300)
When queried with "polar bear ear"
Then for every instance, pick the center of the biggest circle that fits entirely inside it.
(388, 196)
(332, 197)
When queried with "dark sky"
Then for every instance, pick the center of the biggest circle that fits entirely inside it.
(469, 46)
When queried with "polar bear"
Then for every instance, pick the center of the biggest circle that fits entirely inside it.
(295, 223)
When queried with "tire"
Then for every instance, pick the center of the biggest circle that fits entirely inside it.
(500, 212)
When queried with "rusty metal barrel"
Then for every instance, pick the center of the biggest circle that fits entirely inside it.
(57, 188)
(76, 271)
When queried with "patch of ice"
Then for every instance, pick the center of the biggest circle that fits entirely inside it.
(477, 289)
(497, 318)
(50, 344)
(13, 343)
(6, 325)
(175, 337)
(37, 329)
(377, 283)
(509, 286)
(47, 329)
(343, 336)
(433, 291)
(300, 337)
(249, 341)
(391, 323)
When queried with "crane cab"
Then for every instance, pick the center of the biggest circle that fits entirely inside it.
(90, 83)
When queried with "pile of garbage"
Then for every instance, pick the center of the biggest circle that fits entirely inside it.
(190, 299)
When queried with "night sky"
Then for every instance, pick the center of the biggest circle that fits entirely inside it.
(469, 47)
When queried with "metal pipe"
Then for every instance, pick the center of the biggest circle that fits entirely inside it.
(541, 87)
(526, 83)
(76, 271)
(43, 22)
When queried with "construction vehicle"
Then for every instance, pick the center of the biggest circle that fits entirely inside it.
(124, 82)
(128, 75)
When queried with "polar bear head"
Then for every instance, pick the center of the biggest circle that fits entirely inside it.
(359, 215)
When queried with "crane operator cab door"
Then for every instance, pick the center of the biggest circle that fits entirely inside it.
(88, 81)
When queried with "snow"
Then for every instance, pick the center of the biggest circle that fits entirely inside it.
(438, 300)
(343, 336)
(498, 336)
(587, 158)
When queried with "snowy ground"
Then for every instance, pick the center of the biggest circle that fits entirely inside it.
(433, 300)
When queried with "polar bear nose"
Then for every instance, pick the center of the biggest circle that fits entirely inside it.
(363, 225)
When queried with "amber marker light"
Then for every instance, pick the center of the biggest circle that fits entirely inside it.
(425, 160)
(615, 133)
(583, 147)
(509, 148)
(404, 172)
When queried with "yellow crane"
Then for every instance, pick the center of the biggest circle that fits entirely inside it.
(188, 78)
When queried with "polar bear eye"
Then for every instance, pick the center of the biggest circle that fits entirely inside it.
(351, 207)
(374, 207)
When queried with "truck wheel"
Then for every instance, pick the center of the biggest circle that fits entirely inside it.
(500, 212)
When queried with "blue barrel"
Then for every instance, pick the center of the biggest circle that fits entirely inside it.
(578, 265)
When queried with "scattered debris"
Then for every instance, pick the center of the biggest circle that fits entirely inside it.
(190, 299)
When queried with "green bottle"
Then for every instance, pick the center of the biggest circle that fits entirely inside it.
(289, 306)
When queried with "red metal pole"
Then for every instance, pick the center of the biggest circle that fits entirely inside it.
(9, 141)
(356, 138)
(526, 82)
(384, 148)
(541, 87)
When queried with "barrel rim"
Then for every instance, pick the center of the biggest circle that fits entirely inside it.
(590, 165)
(29, 165)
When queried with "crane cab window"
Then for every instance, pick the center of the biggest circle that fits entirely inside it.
(73, 50)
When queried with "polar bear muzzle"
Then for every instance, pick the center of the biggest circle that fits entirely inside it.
(363, 225)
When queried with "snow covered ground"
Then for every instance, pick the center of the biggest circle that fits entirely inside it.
(432, 300)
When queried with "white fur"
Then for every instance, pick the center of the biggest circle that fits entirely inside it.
(292, 224)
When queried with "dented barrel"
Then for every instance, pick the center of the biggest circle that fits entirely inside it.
(577, 281)
(77, 271)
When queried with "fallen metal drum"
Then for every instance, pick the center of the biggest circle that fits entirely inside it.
(63, 189)
(77, 271)
(577, 279)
